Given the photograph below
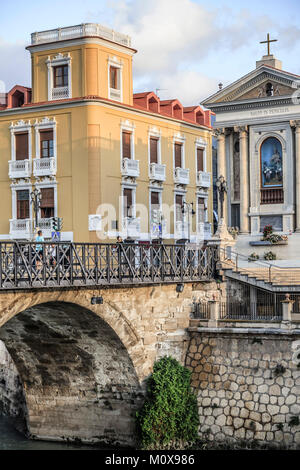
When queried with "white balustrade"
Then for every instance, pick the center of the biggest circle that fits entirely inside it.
(46, 226)
(203, 179)
(77, 31)
(130, 167)
(19, 168)
(182, 175)
(157, 172)
(44, 166)
(132, 227)
(114, 94)
(60, 93)
(181, 229)
(20, 228)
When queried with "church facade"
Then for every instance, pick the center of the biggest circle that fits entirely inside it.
(258, 132)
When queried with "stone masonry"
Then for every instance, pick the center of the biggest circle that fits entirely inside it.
(248, 387)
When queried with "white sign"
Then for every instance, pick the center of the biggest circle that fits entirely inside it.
(94, 223)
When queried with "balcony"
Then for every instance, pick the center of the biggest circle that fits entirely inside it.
(130, 167)
(272, 196)
(157, 172)
(182, 176)
(114, 94)
(46, 226)
(203, 179)
(20, 228)
(60, 93)
(181, 229)
(19, 168)
(44, 166)
(158, 230)
(131, 227)
(204, 231)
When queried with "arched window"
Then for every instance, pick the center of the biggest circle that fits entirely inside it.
(269, 89)
(271, 163)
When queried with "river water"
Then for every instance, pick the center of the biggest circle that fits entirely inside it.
(11, 439)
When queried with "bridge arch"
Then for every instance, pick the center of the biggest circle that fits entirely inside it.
(81, 366)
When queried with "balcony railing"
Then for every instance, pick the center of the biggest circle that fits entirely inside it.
(130, 167)
(77, 31)
(181, 175)
(114, 94)
(46, 226)
(204, 230)
(60, 93)
(44, 166)
(19, 168)
(203, 179)
(272, 196)
(181, 229)
(20, 228)
(158, 230)
(157, 172)
(131, 227)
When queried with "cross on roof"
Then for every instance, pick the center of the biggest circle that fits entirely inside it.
(268, 41)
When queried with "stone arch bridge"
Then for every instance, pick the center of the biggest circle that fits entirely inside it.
(80, 329)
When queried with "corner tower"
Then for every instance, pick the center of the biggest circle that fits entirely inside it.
(78, 61)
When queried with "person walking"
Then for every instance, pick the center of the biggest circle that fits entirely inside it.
(39, 248)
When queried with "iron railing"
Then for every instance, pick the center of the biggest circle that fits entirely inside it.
(41, 265)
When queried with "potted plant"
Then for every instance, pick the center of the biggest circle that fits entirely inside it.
(269, 255)
(253, 257)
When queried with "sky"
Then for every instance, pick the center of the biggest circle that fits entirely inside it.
(185, 47)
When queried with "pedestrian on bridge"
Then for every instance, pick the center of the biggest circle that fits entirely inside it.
(39, 248)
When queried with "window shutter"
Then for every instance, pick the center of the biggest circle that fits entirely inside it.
(153, 150)
(179, 203)
(178, 155)
(21, 146)
(154, 198)
(126, 142)
(114, 78)
(47, 199)
(200, 163)
(23, 204)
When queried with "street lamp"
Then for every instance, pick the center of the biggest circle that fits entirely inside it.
(190, 211)
(36, 197)
(222, 189)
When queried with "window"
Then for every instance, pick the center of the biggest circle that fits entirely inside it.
(60, 76)
(178, 155)
(200, 159)
(128, 202)
(179, 205)
(269, 89)
(114, 74)
(153, 150)
(126, 144)
(23, 204)
(46, 139)
(47, 203)
(22, 146)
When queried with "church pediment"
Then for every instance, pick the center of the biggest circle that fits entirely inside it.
(263, 82)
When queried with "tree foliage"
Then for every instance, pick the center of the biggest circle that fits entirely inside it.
(169, 416)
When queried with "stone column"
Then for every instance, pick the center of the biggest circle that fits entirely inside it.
(287, 307)
(220, 135)
(214, 313)
(296, 125)
(244, 180)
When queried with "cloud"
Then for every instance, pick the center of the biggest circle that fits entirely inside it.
(15, 67)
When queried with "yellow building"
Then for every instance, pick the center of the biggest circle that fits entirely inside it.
(105, 160)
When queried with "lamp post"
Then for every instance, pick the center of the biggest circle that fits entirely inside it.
(190, 211)
(36, 197)
(222, 189)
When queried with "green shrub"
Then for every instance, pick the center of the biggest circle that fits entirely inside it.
(169, 416)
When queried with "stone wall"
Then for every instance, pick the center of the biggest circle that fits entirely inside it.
(248, 387)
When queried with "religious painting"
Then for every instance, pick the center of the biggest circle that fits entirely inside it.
(271, 163)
